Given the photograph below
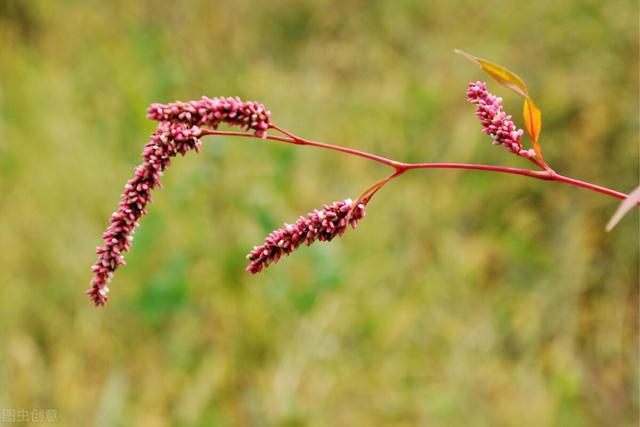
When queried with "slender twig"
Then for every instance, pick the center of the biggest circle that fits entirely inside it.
(299, 141)
(589, 186)
(368, 194)
(548, 174)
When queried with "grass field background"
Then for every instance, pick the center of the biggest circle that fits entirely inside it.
(463, 298)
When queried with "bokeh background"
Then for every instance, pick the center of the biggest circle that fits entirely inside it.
(463, 299)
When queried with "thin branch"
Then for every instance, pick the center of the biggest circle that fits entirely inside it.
(546, 175)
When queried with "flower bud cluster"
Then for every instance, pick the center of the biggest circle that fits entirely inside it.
(179, 131)
(495, 121)
(322, 225)
(169, 140)
(210, 112)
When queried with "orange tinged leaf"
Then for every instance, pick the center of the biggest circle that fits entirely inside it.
(532, 119)
(499, 73)
(532, 123)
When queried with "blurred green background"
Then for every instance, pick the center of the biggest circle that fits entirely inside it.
(463, 299)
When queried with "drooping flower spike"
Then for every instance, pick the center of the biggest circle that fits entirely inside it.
(178, 132)
(169, 140)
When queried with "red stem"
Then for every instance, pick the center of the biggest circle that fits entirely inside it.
(547, 175)
(300, 141)
(589, 186)
(491, 168)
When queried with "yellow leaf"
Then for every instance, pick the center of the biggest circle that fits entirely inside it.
(532, 119)
(533, 123)
(499, 73)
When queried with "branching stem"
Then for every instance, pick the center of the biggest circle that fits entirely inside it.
(546, 173)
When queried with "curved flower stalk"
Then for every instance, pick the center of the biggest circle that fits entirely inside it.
(178, 132)
(169, 140)
(322, 225)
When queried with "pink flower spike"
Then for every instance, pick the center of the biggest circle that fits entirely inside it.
(210, 112)
(495, 121)
(168, 140)
(322, 225)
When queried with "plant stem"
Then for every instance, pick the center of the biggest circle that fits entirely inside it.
(400, 167)
(368, 194)
(589, 186)
(544, 175)
(491, 168)
(300, 141)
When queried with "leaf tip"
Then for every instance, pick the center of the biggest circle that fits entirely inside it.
(467, 56)
(627, 204)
